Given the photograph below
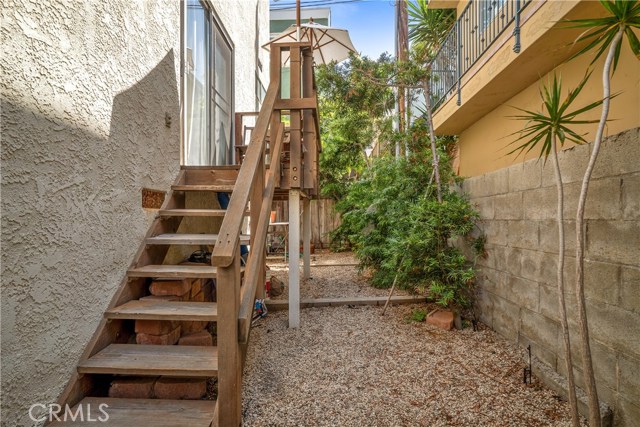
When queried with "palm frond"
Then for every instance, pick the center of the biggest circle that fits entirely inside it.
(556, 119)
(601, 32)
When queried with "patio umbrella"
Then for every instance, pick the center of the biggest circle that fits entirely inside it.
(327, 43)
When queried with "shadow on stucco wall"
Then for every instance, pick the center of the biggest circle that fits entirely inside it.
(72, 220)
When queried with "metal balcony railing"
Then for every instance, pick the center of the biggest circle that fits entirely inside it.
(475, 30)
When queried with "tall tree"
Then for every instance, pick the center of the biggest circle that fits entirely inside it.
(354, 114)
(428, 28)
(602, 35)
(545, 129)
(402, 52)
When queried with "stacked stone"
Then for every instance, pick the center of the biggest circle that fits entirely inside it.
(167, 332)
(158, 388)
(194, 332)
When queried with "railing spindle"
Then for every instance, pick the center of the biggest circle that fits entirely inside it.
(478, 26)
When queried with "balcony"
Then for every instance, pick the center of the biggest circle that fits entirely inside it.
(476, 29)
(496, 49)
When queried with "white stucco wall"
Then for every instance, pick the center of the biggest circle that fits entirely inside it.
(86, 87)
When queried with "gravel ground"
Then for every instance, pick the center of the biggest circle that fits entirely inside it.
(352, 367)
(331, 281)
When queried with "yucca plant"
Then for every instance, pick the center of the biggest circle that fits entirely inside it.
(601, 35)
(543, 131)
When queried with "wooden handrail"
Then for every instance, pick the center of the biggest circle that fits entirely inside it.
(256, 259)
(227, 243)
(256, 185)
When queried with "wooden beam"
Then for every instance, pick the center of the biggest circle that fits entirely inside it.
(276, 116)
(256, 209)
(276, 305)
(295, 150)
(296, 104)
(289, 45)
(309, 131)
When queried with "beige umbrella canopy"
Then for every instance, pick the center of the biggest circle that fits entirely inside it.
(328, 44)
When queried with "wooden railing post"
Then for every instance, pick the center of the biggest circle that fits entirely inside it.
(238, 138)
(229, 354)
(255, 207)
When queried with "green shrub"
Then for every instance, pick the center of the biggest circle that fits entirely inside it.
(394, 224)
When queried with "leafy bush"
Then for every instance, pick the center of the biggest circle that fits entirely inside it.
(394, 224)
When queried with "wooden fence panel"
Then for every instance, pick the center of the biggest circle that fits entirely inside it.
(324, 219)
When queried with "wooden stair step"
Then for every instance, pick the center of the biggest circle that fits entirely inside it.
(174, 271)
(220, 188)
(141, 412)
(189, 239)
(194, 212)
(138, 359)
(213, 168)
(165, 310)
(165, 271)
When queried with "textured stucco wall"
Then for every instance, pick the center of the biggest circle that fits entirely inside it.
(85, 87)
(517, 279)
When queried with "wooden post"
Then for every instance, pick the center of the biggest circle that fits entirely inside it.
(276, 116)
(229, 354)
(295, 175)
(255, 207)
(294, 258)
(306, 236)
(238, 138)
(309, 135)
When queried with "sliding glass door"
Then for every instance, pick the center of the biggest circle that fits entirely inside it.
(207, 89)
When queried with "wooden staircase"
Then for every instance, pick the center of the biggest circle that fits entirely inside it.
(116, 356)
(113, 355)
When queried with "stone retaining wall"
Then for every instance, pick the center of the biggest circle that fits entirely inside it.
(517, 279)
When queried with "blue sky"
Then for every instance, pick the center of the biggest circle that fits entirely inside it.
(370, 24)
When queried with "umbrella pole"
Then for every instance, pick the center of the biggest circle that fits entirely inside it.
(297, 20)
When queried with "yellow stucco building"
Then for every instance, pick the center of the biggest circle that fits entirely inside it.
(501, 78)
(496, 58)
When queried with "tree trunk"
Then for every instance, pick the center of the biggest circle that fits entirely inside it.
(592, 393)
(573, 402)
(432, 136)
(402, 51)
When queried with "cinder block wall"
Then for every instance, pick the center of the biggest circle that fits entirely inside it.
(517, 280)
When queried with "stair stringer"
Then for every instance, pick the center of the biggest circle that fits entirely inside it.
(111, 331)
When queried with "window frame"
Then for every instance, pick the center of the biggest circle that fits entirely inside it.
(215, 23)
